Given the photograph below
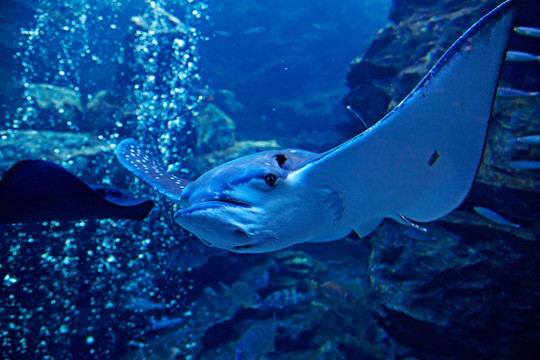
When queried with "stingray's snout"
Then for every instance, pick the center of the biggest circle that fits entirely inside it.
(198, 192)
(190, 198)
(184, 200)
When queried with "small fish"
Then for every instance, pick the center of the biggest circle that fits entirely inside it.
(179, 25)
(287, 298)
(317, 26)
(223, 33)
(257, 341)
(332, 289)
(164, 322)
(525, 165)
(528, 31)
(529, 139)
(244, 293)
(521, 56)
(140, 21)
(357, 115)
(255, 30)
(494, 217)
(143, 304)
(509, 92)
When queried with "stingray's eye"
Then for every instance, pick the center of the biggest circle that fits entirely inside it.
(270, 179)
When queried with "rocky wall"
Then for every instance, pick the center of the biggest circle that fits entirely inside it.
(470, 288)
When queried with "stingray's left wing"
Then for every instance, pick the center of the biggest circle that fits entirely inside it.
(421, 159)
(39, 190)
(136, 160)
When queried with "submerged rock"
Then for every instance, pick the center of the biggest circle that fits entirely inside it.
(49, 96)
(466, 293)
(200, 164)
(216, 141)
(215, 130)
(73, 150)
(186, 336)
(257, 341)
(468, 288)
(64, 109)
(402, 53)
(62, 104)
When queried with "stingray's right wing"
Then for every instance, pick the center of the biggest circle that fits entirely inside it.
(137, 161)
(421, 159)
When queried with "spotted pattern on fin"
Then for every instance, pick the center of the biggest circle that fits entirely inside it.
(137, 161)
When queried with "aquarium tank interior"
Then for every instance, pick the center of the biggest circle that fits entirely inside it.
(123, 236)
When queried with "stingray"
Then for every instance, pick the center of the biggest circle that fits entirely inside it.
(39, 190)
(416, 164)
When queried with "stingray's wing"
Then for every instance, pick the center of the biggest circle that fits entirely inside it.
(136, 160)
(421, 159)
(39, 190)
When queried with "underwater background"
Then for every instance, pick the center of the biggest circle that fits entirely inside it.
(202, 82)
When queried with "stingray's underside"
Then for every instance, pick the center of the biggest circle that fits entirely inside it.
(417, 163)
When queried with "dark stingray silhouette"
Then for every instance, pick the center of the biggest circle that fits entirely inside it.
(39, 190)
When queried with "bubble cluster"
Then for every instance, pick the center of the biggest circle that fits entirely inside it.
(94, 288)
(166, 55)
(61, 48)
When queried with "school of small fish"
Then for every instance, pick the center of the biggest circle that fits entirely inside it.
(521, 56)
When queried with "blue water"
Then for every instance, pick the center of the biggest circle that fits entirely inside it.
(110, 289)
(288, 74)
(82, 75)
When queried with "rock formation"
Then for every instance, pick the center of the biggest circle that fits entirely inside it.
(470, 288)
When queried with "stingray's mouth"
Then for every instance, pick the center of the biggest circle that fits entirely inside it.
(214, 203)
(230, 202)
